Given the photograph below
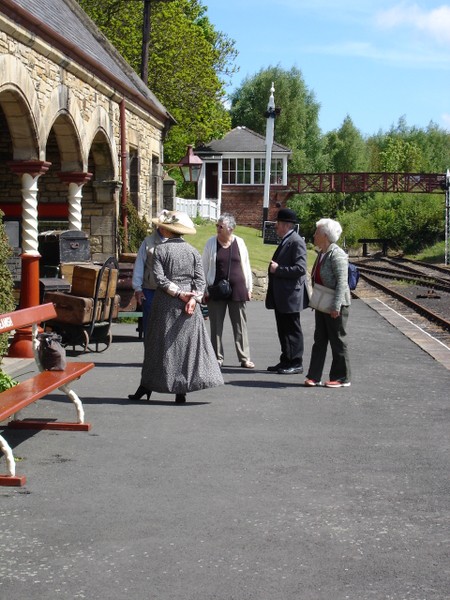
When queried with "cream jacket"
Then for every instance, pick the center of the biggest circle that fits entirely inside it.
(209, 257)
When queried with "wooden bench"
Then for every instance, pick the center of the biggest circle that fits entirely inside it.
(38, 386)
(365, 241)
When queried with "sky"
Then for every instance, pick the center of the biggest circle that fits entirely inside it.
(375, 61)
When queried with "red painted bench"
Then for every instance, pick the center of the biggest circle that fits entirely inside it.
(38, 386)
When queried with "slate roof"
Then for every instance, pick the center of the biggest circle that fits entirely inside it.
(71, 25)
(239, 139)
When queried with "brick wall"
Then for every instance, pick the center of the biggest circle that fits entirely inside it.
(245, 203)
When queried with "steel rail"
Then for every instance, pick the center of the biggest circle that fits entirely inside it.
(430, 315)
(418, 279)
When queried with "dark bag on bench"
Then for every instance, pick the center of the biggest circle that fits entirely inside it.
(52, 355)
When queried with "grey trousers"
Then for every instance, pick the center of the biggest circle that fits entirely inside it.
(238, 316)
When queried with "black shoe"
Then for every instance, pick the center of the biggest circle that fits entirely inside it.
(275, 368)
(179, 398)
(290, 370)
(141, 391)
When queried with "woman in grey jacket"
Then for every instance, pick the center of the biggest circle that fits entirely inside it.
(330, 270)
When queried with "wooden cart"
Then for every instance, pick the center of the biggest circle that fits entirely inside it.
(94, 335)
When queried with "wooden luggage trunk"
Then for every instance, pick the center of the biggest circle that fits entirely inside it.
(84, 281)
(110, 304)
(75, 310)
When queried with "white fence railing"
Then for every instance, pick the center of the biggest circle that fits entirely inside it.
(206, 209)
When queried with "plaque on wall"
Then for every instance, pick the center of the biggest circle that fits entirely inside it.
(14, 264)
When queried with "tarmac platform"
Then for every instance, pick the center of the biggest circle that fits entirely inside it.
(258, 490)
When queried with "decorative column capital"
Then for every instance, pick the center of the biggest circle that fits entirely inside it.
(35, 168)
(74, 177)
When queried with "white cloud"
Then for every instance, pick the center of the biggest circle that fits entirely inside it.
(404, 56)
(434, 23)
(446, 120)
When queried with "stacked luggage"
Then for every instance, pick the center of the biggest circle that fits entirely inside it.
(84, 315)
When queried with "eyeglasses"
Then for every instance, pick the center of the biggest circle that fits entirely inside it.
(220, 226)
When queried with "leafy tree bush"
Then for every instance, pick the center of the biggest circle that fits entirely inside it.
(7, 284)
(138, 228)
(188, 62)
(410, 222)
(297, 126)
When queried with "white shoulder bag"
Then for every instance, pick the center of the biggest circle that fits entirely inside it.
(322, 297)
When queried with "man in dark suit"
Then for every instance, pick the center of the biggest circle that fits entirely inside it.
(286, 292)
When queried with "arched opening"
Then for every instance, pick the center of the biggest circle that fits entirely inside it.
(100, 203)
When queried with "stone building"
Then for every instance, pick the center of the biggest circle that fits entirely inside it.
(79, 131)
(234, 172)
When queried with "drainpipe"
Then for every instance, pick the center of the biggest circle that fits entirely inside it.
(123, 165)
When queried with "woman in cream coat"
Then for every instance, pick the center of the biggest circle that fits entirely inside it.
(218, 252)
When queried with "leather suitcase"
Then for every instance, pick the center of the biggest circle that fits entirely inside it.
(73, 309)
(125, 288)
(111, 304)
(84, 281)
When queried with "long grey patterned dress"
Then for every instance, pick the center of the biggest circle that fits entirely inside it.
(179, 357)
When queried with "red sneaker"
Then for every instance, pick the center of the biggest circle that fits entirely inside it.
(337, 384)
(312, 383)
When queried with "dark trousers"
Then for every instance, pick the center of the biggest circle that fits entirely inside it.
(333, 331)
(290, 335)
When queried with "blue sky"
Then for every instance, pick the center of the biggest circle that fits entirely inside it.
(375, 61)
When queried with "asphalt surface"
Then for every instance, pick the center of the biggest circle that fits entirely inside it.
(258, 490)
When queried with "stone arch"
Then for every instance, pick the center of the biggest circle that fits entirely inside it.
(101, 143)
(20, 105)
(63, 116)
(101, 194)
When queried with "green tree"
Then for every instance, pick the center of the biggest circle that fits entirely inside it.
(434, 144)
(296, 127)
(188, 63)
(346, 149)
(400, 156)
(410, 149)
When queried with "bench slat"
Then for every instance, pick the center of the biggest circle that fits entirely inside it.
(26, 317)
(27, 392)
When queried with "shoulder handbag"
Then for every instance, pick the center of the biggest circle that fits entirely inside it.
(222, 290)
(322, 298)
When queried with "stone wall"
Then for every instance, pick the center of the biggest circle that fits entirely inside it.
(260, 281)
(53, 110)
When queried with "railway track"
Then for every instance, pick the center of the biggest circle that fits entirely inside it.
(418, 291)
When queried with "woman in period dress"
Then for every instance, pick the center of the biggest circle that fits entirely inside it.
(179, 357)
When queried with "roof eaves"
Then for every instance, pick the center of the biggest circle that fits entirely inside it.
(136, 90)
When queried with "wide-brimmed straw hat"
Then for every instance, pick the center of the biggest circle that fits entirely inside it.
(175, 221)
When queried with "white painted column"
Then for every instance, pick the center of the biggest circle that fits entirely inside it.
(30, 214)
(75, 181)
(270, 126)
(74, 200)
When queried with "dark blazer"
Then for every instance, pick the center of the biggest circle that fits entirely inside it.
(286, 291)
